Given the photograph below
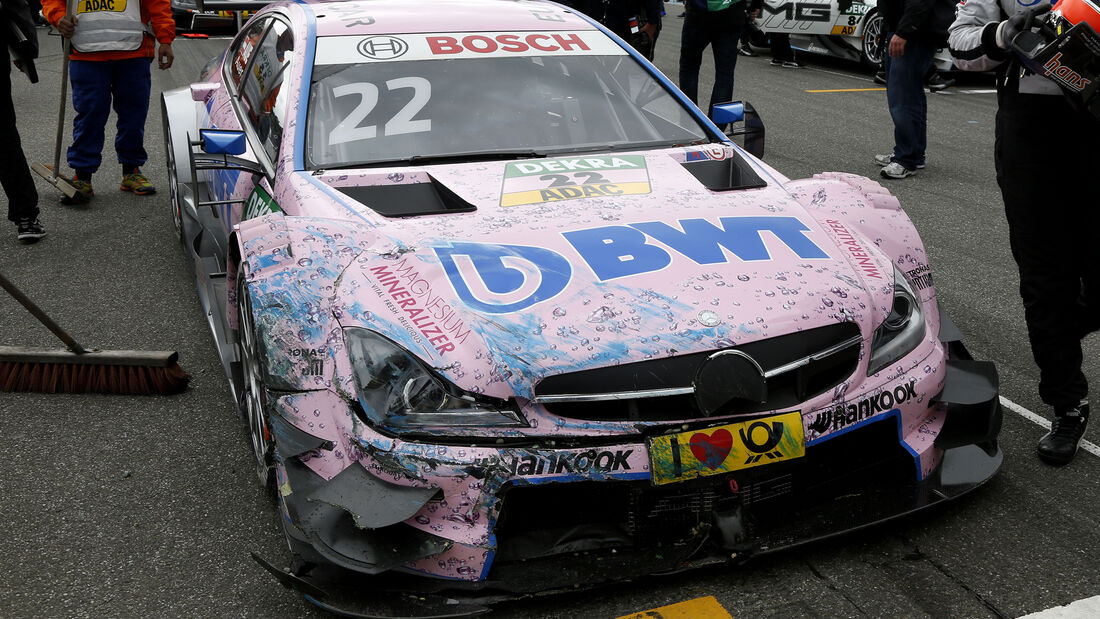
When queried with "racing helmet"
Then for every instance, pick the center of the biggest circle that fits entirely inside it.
(1072, 12)
(1066, 49)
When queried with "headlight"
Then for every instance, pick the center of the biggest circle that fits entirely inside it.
(902, 330)
(396, 390)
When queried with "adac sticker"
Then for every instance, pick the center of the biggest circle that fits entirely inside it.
(259, 203)
(552, 180)
(95, 6)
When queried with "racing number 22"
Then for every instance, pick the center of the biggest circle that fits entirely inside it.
(348, 130)
(561, 180)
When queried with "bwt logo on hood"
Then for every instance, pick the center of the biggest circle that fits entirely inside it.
(501, 279)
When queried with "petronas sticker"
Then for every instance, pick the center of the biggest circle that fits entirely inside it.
(259, 203)
(536, 181)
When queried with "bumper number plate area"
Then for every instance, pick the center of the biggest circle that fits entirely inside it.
(732, 447)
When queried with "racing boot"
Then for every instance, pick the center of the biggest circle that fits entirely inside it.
(1060, 444)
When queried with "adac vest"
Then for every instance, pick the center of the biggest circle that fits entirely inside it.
(108, 25)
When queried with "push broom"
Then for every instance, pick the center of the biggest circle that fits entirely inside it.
(79, 370)
(50, 173)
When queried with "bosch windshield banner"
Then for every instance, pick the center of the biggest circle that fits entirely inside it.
(462, 45)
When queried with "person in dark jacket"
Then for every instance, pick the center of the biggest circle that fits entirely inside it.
(914, 30)
(1053, 222)
(637, 22)
(17, 32)
(717, 23)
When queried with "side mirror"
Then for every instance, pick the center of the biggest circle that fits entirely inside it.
(742, 112)
(222, 142)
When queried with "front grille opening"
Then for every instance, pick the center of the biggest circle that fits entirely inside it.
(785, 390)
(548, 519)
(852, 478)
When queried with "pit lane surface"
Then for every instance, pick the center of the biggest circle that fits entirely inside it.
(125, 506)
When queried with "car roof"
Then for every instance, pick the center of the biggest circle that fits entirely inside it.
(364, 17)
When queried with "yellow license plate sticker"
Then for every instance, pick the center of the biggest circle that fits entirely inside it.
(732, 447)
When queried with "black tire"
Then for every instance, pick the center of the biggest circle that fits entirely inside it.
(871, 44)
(174, 202)
(253, 394)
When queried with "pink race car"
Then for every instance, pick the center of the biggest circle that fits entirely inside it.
(491, 292)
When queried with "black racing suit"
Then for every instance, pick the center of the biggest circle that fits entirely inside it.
(15, 176)
(1047, 155)
(617, 16)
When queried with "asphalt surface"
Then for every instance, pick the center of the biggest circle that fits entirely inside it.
(121, 506)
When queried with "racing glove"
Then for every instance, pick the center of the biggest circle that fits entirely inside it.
(1024, 20)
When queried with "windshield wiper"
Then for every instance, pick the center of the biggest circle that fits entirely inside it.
(476, 155)
(482, 155)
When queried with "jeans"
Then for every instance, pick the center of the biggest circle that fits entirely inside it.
(15, 176)
(721, 30)
(905, 96)
(96, 85)
(780, 43)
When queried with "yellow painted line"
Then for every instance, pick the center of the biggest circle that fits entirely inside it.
(850, 90)
(699, 608)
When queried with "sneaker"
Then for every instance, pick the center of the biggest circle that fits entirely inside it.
(84, 192)
(936, 83)
(885, 160)
(746, 50)
(776, 62)
(30, 230)
(896, 170)
(137, 183)
(793, 64)
(880, 77)
(1060, 444)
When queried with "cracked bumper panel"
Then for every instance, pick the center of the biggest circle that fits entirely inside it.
(466, 513)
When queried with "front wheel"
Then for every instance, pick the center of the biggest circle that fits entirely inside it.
(873, 47)
(253, 397)
(174, 201)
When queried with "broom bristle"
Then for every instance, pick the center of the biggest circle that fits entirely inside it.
(89, 378)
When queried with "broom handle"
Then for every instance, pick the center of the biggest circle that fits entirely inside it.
(66, 44)
(18, 295)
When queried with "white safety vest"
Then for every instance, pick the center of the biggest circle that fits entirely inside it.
(108, 25)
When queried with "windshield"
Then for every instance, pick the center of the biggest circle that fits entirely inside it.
(486, 95)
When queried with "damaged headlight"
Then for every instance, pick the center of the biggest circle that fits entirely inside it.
(902, 330)
(397, 390)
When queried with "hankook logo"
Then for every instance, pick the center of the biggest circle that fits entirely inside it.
(383, 47)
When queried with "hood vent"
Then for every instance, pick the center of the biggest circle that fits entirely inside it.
(726, 174)
(412, 200)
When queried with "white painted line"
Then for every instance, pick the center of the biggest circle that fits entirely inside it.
(1039, 420)
(968, 91)
(1081, 609)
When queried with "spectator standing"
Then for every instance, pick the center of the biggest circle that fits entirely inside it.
(717, 23)
(782, 54)
(1053, 227)
(637, 22)
(15, 175)
(112, 51)
(914, 30)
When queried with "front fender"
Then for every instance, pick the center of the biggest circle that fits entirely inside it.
(292, 266)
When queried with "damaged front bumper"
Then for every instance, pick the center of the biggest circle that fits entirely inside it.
(611, 523)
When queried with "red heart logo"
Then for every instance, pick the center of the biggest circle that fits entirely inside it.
(711, 450)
